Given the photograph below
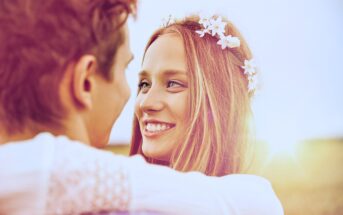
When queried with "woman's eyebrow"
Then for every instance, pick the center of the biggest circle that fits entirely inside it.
(168, 72)
(143, 73)
(171, 72)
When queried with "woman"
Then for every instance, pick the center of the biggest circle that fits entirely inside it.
(193, 104)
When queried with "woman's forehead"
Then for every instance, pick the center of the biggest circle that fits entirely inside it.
(166, 53)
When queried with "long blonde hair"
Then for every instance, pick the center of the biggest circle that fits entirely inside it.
(219, 110)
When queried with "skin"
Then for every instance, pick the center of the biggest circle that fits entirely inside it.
(109, 97)
(162, 102)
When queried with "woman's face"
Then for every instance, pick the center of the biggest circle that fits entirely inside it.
(162, 102)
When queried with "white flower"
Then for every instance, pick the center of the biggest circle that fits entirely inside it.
(229, 41)
(203, 32)
(217, 26)
(205, 21)
(234, 42)
(249, 67)
(252, 83)
(250, 72)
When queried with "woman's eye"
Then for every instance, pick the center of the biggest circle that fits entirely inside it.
(176, 86)
(173, 84)
(143, 85)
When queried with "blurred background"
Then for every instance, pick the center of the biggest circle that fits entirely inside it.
(299, 109)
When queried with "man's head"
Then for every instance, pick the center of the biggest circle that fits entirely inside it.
(59, 58)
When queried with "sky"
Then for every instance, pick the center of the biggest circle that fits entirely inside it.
(298, 47)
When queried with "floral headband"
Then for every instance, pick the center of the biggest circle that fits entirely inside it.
(215, 26)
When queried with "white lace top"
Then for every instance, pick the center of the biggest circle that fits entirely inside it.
(54, 175)
(93, 186)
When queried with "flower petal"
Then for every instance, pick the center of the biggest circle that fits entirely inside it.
(201, 33)
(233, 42)
(222, 42)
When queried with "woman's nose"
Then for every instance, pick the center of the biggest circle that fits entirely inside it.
(152, 101)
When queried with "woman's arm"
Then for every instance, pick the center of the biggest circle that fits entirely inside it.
(85, 179)
(158, 188)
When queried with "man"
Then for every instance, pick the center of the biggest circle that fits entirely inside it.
(62, 87)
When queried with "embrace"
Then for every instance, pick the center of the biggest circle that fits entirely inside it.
(63, 85)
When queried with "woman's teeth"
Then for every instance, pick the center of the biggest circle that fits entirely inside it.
(157, 127)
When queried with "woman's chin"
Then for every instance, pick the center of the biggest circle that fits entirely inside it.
(154, 154)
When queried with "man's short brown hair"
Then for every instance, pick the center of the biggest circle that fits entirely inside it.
(39, 39)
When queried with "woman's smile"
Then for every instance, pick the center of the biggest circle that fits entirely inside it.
(153, 128)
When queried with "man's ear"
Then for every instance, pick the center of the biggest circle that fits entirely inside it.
(83, 80)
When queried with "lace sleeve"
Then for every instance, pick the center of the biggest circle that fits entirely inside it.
(84, 179)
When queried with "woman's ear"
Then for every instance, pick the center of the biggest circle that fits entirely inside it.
(83, 80)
